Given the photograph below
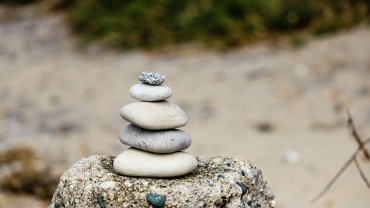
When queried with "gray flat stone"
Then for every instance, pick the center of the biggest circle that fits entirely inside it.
(147, 92)
(154, 115)
(216, 182)
(152, 78)
(135, 162)
(160, 141)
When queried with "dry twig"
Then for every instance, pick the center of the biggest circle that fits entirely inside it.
(362, 173)
(361, 147)
(351, 127)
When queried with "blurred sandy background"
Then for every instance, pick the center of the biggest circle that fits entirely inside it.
(280, 107)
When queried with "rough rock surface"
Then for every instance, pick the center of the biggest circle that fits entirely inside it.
(216, 182)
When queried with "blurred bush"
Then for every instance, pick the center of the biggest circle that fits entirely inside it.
(17, 2)
(214, 23)
(22, 176)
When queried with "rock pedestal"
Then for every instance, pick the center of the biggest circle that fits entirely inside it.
(216, 182)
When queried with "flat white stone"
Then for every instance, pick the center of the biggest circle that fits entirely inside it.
(154, 115)
(134, 162)
(160, 141)
(147, 92)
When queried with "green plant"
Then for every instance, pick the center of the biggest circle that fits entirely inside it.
(217, 24)
(297, 40)
(17, 2)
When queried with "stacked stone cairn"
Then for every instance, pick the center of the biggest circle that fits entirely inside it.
(156, 143)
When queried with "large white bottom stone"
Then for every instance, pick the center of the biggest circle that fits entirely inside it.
(134, 162)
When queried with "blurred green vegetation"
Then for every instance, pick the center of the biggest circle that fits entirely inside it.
(214, 23)
(16, 2)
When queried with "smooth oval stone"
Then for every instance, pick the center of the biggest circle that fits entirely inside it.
(154, 115)
(150, 92)
(134, 162)
(152, 78)
(160, 141)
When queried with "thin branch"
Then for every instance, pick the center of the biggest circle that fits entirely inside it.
(332, 181)
(361, 173)
(351, 127)
(339, 173)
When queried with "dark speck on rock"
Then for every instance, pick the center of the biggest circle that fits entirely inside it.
(156, 200)
(243, 187)
(220, 176)
(243, 174)
(57, 205)
(228, 164)
(101, 201)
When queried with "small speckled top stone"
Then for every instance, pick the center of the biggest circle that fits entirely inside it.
(151, 78)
